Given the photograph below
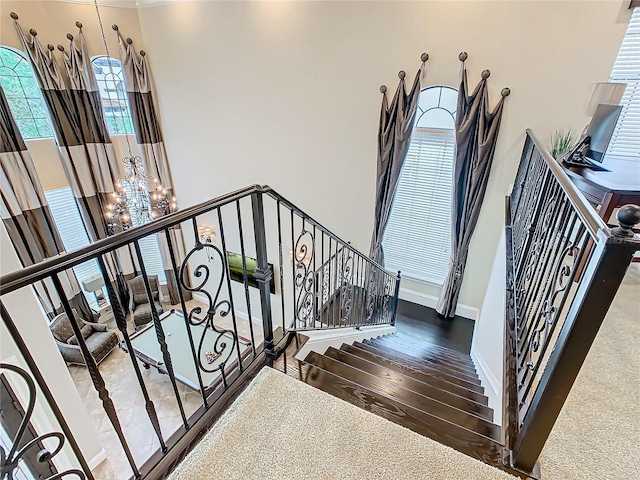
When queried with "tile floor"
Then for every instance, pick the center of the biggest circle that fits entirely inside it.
(122, 384)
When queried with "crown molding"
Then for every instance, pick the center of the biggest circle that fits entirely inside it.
(137, 4)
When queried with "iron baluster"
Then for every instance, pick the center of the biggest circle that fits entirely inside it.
(166, 355)
(245, 277)
(214, 307)
(121, 323)
(35, 371)
(10, 462)
(225, 272)
(96, 377)
(281, 268)
(183, 305)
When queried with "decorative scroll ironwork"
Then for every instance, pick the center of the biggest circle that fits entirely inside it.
(346, 288)
(371, 297)
(550, 307)
(305, 278)
(553, 243)
(214, 307)
(9, 461)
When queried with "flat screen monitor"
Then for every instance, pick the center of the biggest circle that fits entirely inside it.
(601, 128)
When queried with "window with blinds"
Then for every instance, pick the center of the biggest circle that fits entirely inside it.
(71, 228)
(418, 236)
(625, 142)
(72, 231)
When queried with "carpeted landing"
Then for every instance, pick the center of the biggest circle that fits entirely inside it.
(282, 428)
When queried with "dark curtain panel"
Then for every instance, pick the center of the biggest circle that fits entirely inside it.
(476, 135)
(72, 97)
(27, 218)
(394, 136)
(149, 138)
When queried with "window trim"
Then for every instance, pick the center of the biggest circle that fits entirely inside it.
(127, 115)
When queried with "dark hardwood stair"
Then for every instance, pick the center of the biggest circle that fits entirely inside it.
(451, 383)
(427, 388)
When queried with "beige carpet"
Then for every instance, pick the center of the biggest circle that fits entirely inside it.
(597, 434)
(282, 428)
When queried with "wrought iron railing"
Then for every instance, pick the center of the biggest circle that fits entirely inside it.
(293, 274)
(564, 266)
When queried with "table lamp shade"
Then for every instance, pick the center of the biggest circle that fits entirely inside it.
(93, 283)
(604, 92)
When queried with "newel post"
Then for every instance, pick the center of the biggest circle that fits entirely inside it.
(396, 294)
(606, 267)
(263, 273)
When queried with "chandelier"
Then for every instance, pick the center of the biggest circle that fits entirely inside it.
(139, 198)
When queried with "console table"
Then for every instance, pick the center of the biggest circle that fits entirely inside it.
(610, 190)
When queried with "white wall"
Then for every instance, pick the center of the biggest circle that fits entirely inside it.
(488, 335)
(287, 93)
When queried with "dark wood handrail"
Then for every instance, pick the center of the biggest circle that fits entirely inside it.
(33, 273)
(587, 213)
(39, 271)
(272, 193)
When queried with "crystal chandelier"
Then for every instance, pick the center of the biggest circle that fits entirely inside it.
(139, 198)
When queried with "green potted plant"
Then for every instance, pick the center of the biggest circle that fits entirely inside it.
(562, 141)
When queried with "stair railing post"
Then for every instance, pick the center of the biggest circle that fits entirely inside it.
(263, 273)
(605, 270)
(395, 300)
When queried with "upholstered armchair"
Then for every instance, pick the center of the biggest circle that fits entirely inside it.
(139, 305)
(99, 340)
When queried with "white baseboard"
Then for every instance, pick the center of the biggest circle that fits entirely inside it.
(320, 340)
(493, 386)
(430, 301)
(97, 460)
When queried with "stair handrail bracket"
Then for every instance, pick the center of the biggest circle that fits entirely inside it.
(564, 267)
(214, 255)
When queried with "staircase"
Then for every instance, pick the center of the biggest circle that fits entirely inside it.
(427, 388)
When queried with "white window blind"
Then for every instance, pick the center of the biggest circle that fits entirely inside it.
(152, 258)
(417, 239)
(72, 231)
(69, 223)
(625, 142)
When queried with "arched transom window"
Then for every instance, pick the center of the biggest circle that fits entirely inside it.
(23, 94)
(417, 240)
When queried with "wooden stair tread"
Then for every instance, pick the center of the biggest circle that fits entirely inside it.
(424, 353)
(426, 369)
(455, 371)
(408, 397)
(463, 357)
(430, 377)
(466, 441)
(402, 377)
(465, 373)
(420, 354)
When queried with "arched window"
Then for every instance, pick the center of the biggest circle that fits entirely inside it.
(417, 240)
(113, 93)
(24, 95)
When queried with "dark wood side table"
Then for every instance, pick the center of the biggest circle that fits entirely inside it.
(610, 190)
